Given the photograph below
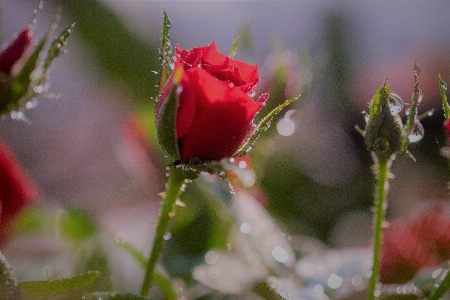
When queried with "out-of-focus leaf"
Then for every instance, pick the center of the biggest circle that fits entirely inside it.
(121, 53)
(8, 282)
(38, 290)
(97, 260)
(30, 220)
(77, 224)
(160, 280)
(113, 296)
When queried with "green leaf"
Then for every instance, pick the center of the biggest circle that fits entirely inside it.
(165, 52)
(77, 224)
(165, 124)
(443, 89)
(57, 46)
(262, 126)
(39, 290)
(8, 282)
(113, 296)
(160, 280)
(234, 47)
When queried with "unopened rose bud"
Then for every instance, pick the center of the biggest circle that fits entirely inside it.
(15, 51)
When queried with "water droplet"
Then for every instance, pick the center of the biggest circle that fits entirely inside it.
(417, 132)
(231, 85)
(223, 175)
(252, 94)
(286, 127)
(395, 103)
(211, 257)
(39, 89)
(180, 203)
(179, 89)
(32, 103)
(444, 86)
(120, 238)
(420, 96)
(436, 273)
(334, 281)
(279, 254)
(246, 228)
(417, 69)
(167, 236)
(356, 280)
(242, 164)
(318, 289)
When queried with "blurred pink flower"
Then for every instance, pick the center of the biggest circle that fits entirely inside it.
(412, 245)
(17, 190)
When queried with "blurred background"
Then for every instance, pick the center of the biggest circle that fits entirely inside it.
(83, 150)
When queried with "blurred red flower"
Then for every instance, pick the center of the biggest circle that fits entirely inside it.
(215, 111)
(17, 190)
(412, 245)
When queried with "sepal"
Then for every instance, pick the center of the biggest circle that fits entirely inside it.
(166, 120)
(262, 126)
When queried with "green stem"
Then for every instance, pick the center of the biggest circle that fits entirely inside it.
(442, 288)
(382, 186)
(176, 181)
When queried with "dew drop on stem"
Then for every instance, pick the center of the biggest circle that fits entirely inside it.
(417, 132)
(395, 104)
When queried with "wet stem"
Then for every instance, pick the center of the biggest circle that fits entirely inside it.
(173, 191)
(382, 175)
(442, 288)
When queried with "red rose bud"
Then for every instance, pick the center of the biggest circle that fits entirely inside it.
(214, 111)
(17, 190)
(15, 51)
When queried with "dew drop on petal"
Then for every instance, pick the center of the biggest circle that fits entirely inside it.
(417, 132)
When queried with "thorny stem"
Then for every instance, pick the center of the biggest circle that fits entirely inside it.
(381, 172)
(173, 191)
(442, 288)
